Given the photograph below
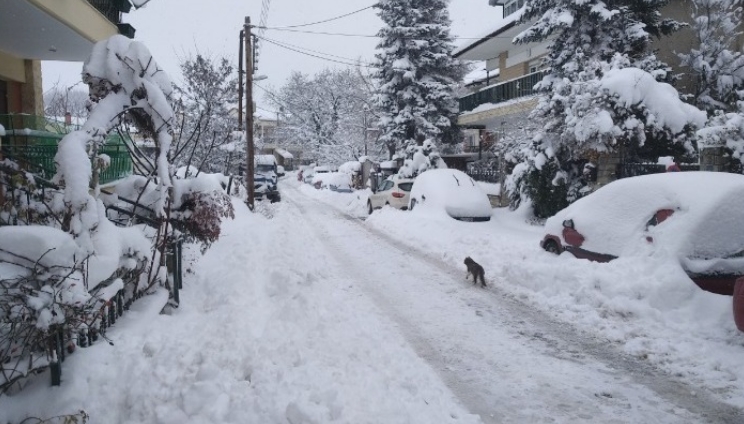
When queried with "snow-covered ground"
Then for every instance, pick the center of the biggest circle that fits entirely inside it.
(685, 331)
(309, 314)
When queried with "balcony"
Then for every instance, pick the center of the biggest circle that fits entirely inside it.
(502, 92)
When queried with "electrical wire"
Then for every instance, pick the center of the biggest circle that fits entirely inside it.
(286, 45)
(330, 19)
(321, 57)
(340, 34)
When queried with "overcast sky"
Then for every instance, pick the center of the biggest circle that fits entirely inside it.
(176, 29)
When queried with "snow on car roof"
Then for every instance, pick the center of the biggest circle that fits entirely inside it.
(452, 190)
(265, 160)
(708, 208)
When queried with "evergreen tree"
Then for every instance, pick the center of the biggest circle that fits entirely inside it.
(417, 76)
(604, 91)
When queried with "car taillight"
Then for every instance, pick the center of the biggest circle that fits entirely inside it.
(398, 195)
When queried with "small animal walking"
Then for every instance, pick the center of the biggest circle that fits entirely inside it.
(476, 270)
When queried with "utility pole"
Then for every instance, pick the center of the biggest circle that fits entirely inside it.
(240, 82)
(249, 114)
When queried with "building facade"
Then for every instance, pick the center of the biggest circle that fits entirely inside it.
(36, 30)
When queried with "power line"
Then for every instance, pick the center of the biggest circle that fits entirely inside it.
(321, 57)
(288, 45)
(340, 34)
(330, 19)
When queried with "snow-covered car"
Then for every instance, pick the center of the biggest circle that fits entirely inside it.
(451, 191)
(309, 175)
(280, 171)
(265, 178)
(394, 191)
(697, 218)
(334, 181)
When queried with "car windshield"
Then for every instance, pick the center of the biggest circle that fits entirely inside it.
(405, 186)
(264, 168)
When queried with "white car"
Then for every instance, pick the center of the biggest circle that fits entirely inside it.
(451, 191)
(394, 191)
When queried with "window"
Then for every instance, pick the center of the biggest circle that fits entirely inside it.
(512, 6)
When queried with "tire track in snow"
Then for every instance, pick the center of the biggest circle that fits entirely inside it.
(529, 326)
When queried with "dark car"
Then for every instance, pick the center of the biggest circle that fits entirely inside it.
(697, 218)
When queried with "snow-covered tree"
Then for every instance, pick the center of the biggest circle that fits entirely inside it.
(61, 100)
(417, 75)
(203, 102)
(715, 64)
(327, 113)
(604, 91)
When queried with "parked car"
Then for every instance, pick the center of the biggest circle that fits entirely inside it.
(265, 178)
(696, 217)
(310, 174)
(334, 181)
(393, 191)
(453, 192)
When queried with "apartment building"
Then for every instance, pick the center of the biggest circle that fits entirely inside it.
(36, 30)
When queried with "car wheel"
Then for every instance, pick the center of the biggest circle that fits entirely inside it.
(738, 302)
(369, 207)
(552, 247)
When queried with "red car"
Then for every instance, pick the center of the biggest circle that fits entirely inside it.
(696, 217)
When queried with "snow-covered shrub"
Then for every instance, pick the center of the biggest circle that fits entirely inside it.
(200, 214)
(25, 201)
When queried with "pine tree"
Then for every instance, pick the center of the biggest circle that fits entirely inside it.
(602, 89)
(417, 75)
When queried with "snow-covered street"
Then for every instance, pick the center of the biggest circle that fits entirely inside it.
(316, 316)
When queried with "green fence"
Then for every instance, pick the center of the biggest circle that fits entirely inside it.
(32, 142)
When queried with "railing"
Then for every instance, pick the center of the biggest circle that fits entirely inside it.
(32, 141)
(502, 92)
(485, 175)
(632, 169)
(108, 8)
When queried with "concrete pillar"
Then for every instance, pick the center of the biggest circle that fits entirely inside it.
(32, 93)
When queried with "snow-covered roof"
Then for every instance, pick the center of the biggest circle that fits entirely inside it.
(285, 154)
(500, 35)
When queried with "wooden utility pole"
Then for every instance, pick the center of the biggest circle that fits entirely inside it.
(250, 151)
(240, 81)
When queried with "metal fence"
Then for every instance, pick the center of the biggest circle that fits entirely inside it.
(488, 176)
(31, 141)
(632, 169)
(502, 92)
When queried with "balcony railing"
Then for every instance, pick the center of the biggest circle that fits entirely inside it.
(108, 8)
(31, 141)
(502, 92)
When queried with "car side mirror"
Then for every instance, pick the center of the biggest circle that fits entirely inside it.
(568, 224)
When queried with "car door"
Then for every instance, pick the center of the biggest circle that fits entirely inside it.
(383, 194)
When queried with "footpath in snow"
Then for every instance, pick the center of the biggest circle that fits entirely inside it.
(266, 333)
